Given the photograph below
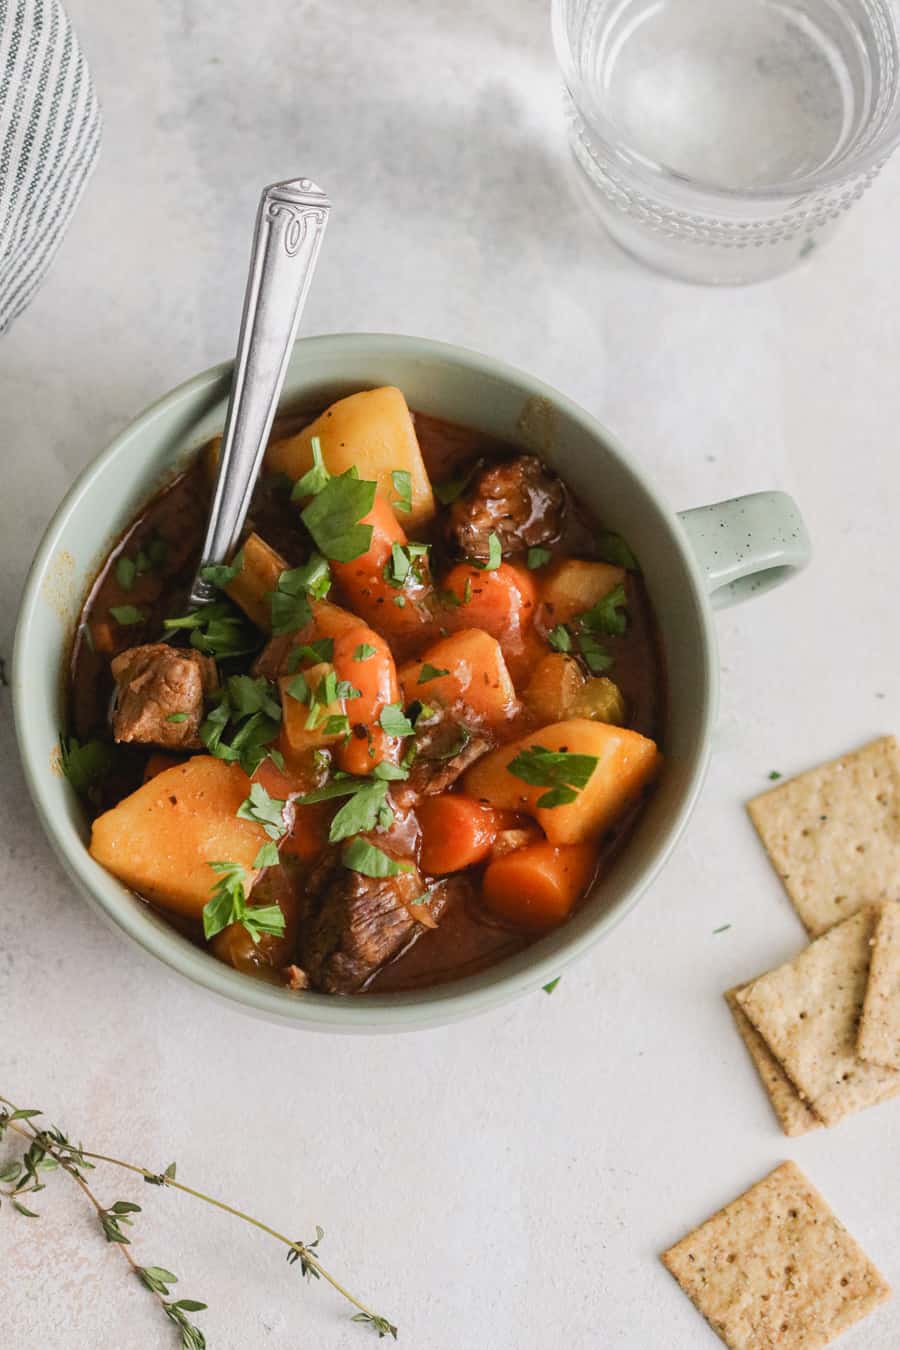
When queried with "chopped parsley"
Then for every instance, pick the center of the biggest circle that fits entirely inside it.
(265, 811)
(538, 557)
(400, 601)
(367, 809)
(363, 651)
(228, 904)
(495, 555)
(611, 548)
(289, 601)
(402, 481)
(394, 721)
(334, 514)
(560, 638)
(126, 571)
(451, 488)
(596, 657)
(250, 709)
(361, 856)
(266, 857)
(85, 763)
(218, 629)
(222, 574)
(316, 652)
(563, 772)
(127, 615)
(548, 988)
(315, 478)
(608, 615)
(177, 717)
(429, 672)
(774, 775)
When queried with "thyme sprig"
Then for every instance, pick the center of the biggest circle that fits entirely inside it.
(49, 1149)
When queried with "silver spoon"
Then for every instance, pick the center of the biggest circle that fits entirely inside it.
(290, 225)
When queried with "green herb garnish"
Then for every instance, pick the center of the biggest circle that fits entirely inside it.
(429, 672)
(612, 548)
(400, 601)
(724, 927)
(563, 772)
(451, 488)
(402, 481)
(394, 721)
(266, 857)
(361, 856)
(316, 652)
(495, 555)
(253, 710)
(265, 811)
(596, 657)
(608, 615)
(126, 571)
(289, 602)
(228, 904)
(315, 478)
(127, 615)
(222, 574)
(177, 717)
(367, 809)
(85, 764)
(333, 516)
(774, 775)
(560, 638)
(548, 988)
(363, 652)
(218, 629)
(538, 557)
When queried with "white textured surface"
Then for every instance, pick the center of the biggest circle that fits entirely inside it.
(508, 1182)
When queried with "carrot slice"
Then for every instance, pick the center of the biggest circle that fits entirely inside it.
(535, 887)
(457, 831)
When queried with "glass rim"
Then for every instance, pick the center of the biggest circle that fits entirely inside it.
(867, 161)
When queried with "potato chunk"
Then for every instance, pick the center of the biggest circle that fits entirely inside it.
(161, 839)
(559, 689)
(372, 431)
(573, 586)
(626, 763)
(257, 579)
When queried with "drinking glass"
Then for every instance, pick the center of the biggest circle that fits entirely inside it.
(721, 140)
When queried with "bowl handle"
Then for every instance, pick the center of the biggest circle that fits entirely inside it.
(747, 545)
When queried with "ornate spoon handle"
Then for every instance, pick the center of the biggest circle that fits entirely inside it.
(290, 225)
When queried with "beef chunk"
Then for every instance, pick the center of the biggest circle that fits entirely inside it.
(445, 747)
(361, 923)
(155, 682)
(517, 499)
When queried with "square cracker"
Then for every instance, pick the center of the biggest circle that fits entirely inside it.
(833, 834)
(776, 1268)
(879, 1030)
(790, 1108)
(807, 1011)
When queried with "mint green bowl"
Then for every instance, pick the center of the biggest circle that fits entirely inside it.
(707, 557)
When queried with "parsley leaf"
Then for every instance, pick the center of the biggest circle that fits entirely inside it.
(495, 555)
(228, 904)
(289, 602)
(402, 481)
(320, 650)
(451, 488)
(774, 775)
(221, 574)
(177, 717)
(548, 988)
(266, 857)
(250, 696)
(394, 721)
(538, 557)
(608, 615)
(252, 706)
(596, 657)
(85, 764)
(338, 724)
(333, 516)
(218, 629)
(361, 856)
(400, 601)
(127, 615)
(463, 736)
(126, 571)
(560, 638)
(612, 548)
(391, 772)
(429, 672)
(363, 652)
(563, 772)
(264, 810)
(367, 808)
(316, 476)
(398, 569)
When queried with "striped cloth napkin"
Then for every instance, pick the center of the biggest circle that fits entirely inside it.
(49, 138)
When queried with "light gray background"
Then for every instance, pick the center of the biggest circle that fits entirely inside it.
(508, 1182)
